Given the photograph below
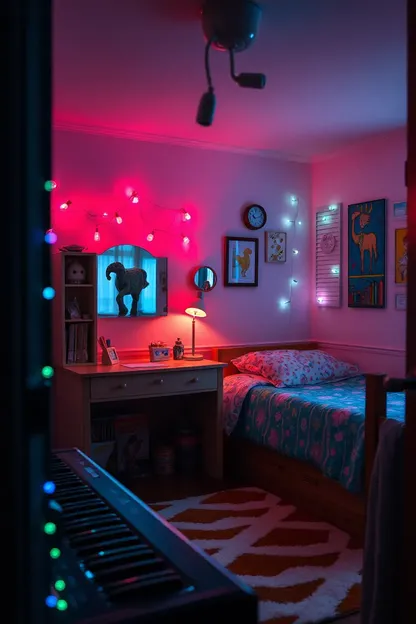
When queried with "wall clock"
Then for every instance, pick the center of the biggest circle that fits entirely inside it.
(254, 217)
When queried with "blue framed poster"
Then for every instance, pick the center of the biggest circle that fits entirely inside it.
(367, 254)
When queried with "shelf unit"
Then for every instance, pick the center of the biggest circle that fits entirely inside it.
(75, 339)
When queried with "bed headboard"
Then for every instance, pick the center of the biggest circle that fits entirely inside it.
(226, 354)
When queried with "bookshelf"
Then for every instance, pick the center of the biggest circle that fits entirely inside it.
(75, 308)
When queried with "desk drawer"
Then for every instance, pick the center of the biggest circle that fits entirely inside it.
(153, 384)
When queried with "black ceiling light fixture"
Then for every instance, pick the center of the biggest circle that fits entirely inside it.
(229, 26)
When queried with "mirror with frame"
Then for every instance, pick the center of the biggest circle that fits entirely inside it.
(131, 283)
(205, 278)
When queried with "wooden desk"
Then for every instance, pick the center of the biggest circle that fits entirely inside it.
(79, 388)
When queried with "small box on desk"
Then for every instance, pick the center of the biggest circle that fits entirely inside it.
(159, 352)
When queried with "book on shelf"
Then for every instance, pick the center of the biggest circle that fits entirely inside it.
(77, 343)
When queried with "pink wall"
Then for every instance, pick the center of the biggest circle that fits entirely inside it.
(93, 172)
(372, 169)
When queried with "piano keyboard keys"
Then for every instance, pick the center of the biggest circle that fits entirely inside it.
(124, 556)
(90, 550)
(149, 584)
(104, 557)
(80, 525)
(116, 559)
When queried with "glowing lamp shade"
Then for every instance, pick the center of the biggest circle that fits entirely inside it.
(196, 310)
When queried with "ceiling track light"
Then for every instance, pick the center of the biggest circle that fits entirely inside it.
(207, 103)
(230, 27)
(246, 80)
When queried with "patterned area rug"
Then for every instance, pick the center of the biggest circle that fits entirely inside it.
(302, 570)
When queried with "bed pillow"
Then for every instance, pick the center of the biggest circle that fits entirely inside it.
(289, 368)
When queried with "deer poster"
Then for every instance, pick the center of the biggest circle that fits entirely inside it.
(367, 254)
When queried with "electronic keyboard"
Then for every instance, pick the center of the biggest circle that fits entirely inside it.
(117, 561)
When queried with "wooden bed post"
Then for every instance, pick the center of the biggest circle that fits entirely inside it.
(375, 412)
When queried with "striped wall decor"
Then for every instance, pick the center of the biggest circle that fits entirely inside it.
(328, 256)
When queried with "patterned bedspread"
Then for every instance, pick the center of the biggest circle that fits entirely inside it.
(322, 424)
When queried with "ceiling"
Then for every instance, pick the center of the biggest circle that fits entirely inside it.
(336, 72)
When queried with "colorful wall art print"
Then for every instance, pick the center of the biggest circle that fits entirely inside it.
(275, 246)
(367, 254)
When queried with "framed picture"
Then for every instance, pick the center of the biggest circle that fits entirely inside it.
(400, 256)
(241, 261)
(401, 301)
(109, 354)
(400, 209)
(275, 246)
(367, 254)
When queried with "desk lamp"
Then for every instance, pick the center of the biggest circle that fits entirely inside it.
(197, 309)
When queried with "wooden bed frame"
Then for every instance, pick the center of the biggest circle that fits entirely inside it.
(300, 482)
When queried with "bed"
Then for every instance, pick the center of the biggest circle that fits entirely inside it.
(315, 443)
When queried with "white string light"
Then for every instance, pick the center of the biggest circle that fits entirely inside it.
(100, 221)
(135, 198)
(293, 282)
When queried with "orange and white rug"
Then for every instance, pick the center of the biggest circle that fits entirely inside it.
(302, 570)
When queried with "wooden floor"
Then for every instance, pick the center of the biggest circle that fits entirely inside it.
(159, 489)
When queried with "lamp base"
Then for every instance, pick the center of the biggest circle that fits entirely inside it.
(193, 358)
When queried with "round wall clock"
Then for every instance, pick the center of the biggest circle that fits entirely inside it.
(254, 217)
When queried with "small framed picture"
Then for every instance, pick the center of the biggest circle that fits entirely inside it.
(110, 356)
(113, 355)
(275, 246)
(400, 209)
(401, 301)
(400, 256)
(241, 261)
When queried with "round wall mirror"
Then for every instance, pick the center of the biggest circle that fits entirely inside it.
(205, 278)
